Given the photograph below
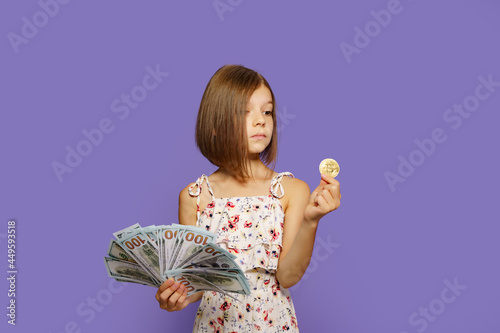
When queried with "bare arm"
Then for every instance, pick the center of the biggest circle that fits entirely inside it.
(302, 216)
(187, 207)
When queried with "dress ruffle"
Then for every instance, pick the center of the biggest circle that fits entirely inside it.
(248, 226)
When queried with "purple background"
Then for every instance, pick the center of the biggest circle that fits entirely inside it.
(390, 250)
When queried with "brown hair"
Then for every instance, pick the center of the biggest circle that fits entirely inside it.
(221, 123)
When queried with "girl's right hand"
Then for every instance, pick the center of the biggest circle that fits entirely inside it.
(172, 296)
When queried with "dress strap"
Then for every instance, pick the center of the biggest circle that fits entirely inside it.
(196, 192)
(276, 184)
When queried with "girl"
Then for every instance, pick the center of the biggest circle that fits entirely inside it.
(267, 220)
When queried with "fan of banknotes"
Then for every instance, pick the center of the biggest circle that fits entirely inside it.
(153, 254)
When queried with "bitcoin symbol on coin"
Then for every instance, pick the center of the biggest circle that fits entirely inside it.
(330, 167)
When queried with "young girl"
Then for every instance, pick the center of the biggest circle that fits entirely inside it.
(267, 220)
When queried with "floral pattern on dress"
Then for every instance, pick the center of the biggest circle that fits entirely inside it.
(251, 228)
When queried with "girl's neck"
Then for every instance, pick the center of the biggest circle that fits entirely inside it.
(257, 171)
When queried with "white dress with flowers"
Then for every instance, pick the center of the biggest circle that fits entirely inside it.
(250, 228)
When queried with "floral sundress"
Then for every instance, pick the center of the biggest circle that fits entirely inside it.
(252, 229)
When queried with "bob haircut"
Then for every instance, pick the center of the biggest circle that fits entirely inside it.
(221, 123)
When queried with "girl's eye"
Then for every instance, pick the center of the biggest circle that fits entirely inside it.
(267, 113)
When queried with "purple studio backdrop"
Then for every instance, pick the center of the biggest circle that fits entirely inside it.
(405, 95)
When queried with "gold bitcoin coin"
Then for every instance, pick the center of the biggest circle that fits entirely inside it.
(330, 167)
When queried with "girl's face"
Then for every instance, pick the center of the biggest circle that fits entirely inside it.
(259, 120)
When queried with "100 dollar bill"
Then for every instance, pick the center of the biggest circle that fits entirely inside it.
(141, 248)
(120, 269)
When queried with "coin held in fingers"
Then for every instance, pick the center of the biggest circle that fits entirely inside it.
(330, 167)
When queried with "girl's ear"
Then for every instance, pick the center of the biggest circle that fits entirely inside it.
(214, 131)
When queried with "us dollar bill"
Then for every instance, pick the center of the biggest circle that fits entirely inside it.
(206, 252)
(119, 234)
(116, 251)
(131, 272)
(167, 237)
(194, 283)
(140, 247)
(227, 282)
(151, 231)
(188, 243)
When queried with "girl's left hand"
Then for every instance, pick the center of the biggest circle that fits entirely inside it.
(324, 199)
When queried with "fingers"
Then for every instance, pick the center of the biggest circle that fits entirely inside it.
(164, 286)
(314, 195)
(181, 302)
(324, 199)
(174, 298)
(328, 179)
(326, 182)
(333, 188)
(328, 198)
(171, 295)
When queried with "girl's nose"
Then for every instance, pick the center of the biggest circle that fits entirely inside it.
(259, 119)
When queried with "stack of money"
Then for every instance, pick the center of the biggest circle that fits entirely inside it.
(153, 254)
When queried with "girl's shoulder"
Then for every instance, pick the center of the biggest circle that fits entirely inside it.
(296, 191)
(192, 198)
(192, 190)
(294, 185)
(185, 191)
